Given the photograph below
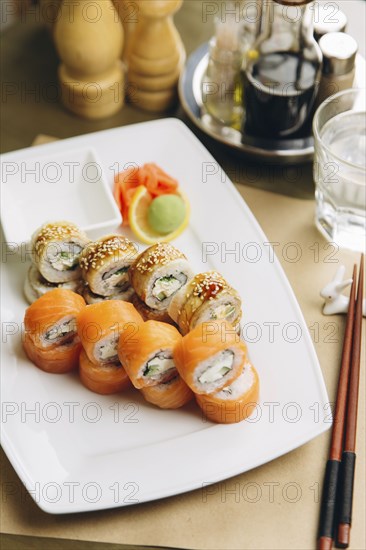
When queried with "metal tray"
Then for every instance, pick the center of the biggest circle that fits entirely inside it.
(274, 151)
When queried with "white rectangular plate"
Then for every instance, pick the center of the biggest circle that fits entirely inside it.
(78, 451)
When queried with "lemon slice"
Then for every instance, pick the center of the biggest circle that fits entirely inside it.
(138, 218)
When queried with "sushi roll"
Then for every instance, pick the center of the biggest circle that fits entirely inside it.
(206, 297)
(59, 360)
(92, 298)
(149, 314)
(105, 264)
(172, 394)
(148, 356)
(158, 273)
(51, 340)
(35, 285)
(100, 326)
(235, 402)
(56, 249)
(210, 357)
(104, 378)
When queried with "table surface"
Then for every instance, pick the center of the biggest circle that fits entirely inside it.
(29, 71)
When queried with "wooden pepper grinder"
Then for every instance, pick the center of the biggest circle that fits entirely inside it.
(89, 38)
(128, 14)
(156, 56)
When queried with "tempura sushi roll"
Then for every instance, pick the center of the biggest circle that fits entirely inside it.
(147, 356)
(235, 402)
(92, 298)
(104, 378)
(206, 297)
(105, 264)
(100, 326)
(172, 394)
(149, 314)
(50, 339)
(210, 357)
(35, 285)
(56, 249)
(158, 273)
(51, 320)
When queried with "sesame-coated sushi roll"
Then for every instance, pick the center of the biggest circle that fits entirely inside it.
(51, 341)
(172, 394)
(235, 402)
(35, 285)
(56, 249)
(206, 297)
(92, 298)
(210, 357)
(100, 326)
(104, 378)
(147, 356)
(105, 264)
(158, 273)
(149, 314)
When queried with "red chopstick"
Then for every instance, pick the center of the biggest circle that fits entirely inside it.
(349, 455)
(330, 484)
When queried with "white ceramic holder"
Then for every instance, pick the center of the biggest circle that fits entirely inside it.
(335, 301)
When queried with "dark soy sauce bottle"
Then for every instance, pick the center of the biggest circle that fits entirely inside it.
(282, 73)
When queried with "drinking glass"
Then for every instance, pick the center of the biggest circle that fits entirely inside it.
(339, 128)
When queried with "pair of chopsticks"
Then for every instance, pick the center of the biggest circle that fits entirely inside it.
(336, 509)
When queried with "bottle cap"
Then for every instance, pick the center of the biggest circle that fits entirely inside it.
(293, 2)
(339, 53)
(328, 18)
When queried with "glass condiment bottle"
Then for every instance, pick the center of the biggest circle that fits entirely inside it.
(282, 73)
(222, 84)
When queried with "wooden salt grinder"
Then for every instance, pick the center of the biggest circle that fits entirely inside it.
(89, 38)
(156, 56)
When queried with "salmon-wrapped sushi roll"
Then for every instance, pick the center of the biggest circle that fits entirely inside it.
(35, 285)
(51, 340)
(100, 326)
(92, 298)
(147, 356)
(59, 360)
(51, 320)
(158, 273)
(56, 249)
(210, 357)
(149, 314)
(104, 378)
(235, 402)
(206, 297)
(105, 264)
(172, 394)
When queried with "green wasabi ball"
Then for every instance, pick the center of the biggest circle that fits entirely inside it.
(166, 213)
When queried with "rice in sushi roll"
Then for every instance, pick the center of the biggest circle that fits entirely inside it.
(206, 297)
(147, 355)
(56, 249)
(105, 264)
(235, 402)
(36, 285)
(158, 273)
(210, 357)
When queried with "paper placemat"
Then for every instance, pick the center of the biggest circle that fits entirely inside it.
(272, 507)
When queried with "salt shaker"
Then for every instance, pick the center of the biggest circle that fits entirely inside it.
(339, 53)
(328, 18)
